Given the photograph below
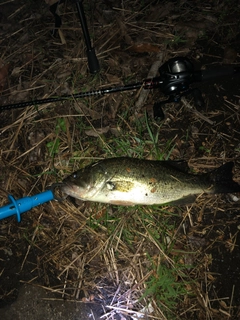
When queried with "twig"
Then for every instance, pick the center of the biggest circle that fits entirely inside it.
(152, 73)
(197, 113)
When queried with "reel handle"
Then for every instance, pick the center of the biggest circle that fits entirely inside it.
(204, 75)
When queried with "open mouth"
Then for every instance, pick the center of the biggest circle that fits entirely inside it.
(62, 190)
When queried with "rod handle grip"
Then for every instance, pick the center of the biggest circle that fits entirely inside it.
(93, 63)
(203, 75)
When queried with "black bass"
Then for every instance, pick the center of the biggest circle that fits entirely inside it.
(131, 181)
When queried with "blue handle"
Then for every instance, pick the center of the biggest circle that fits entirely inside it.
(24, 204)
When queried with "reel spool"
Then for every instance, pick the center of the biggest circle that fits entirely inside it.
(176, 74)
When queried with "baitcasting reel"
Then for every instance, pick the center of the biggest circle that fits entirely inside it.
(177, 75)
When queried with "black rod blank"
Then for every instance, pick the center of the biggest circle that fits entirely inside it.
(146, 84)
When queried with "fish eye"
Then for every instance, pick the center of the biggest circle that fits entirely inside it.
(74, 175)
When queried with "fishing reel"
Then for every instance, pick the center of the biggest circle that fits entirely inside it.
(177, 75)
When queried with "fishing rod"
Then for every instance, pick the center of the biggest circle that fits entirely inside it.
(176, 77)
(146, 84)
(93, 63)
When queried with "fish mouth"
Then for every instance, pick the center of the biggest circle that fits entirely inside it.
(81, 192)
(61, 190)
(71, 189)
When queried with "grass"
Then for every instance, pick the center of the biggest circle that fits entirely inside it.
(151, 229)
(165, 288)
(53, 146)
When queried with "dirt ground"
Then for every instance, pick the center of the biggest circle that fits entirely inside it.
(36, 303)
(76, 260)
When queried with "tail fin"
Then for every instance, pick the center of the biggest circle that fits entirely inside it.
(222, 178)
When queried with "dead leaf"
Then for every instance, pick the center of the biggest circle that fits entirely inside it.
(144, 47)
(116, 101)
(81, 108)
(230, 55)
(51, 2)
(95, 132)
(115, 131)
(123, 30)
(16, 71)
(3, 74)
(113, 79)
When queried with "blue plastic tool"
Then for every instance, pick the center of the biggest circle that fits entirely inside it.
(24, 204)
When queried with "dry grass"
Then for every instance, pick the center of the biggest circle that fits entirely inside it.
(97, 253)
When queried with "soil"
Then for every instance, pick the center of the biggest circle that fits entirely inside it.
(30, 285)
(36, 303)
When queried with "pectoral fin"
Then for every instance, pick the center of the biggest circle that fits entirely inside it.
(121, 186)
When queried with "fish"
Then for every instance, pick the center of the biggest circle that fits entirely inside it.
(131, 181)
